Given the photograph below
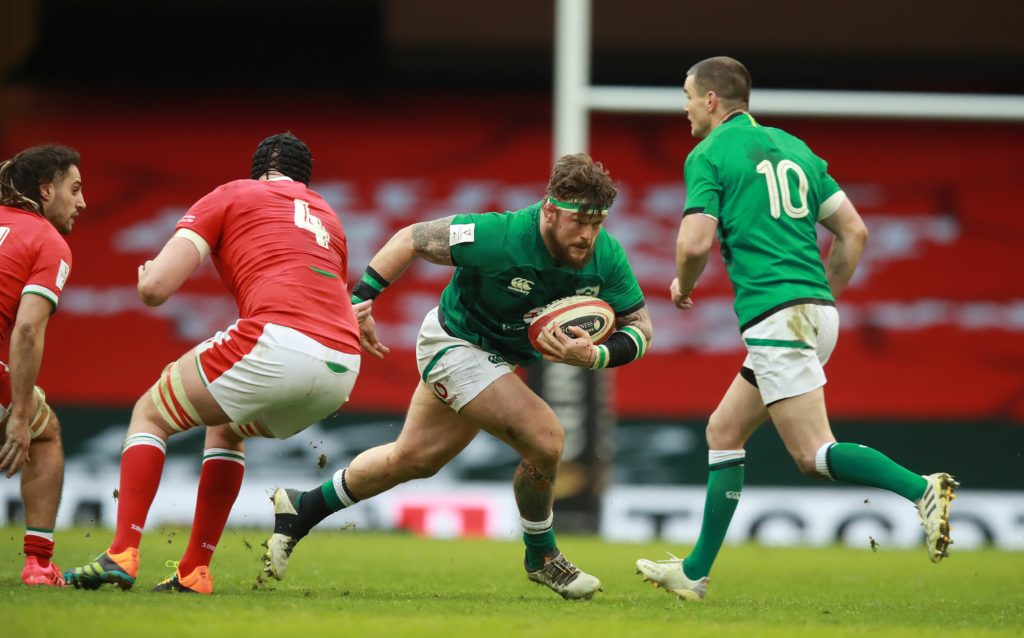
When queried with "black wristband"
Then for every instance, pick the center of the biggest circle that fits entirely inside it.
(370, 285)
(623, 346)
(621, 349)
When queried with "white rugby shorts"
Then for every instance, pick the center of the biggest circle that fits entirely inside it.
(274, 381)
(788, 350)
(455, 370)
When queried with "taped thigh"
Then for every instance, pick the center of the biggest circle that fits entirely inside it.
(42, 415)
(168, 395)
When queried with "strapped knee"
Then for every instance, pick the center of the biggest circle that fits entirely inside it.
(168, 395)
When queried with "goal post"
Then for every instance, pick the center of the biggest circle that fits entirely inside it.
(576, 98)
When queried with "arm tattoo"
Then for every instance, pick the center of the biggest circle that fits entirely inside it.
(430, 239)
(641, 320)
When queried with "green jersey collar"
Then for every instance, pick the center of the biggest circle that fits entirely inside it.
(740, 119)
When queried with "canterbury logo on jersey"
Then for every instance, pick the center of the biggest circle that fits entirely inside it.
(589, 291)
(521, 285)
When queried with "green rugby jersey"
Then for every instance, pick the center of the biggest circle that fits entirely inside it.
(767, 189)
(504, 274)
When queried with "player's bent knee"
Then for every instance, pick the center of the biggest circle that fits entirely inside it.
(807, 465)
(168, 405)
(145, 410)
(411, 467)
(223, 436)
(545, 453)
(423, 469)
(720, 436)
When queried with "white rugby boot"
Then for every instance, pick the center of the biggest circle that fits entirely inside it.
(286, 533)
(668, 574)
(565, 579)
(933, 508)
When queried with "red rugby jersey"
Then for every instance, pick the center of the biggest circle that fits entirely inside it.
(282, 253)
(34, 259)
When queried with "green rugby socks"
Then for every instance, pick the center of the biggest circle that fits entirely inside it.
(539, 537)
(861, 465)
(725, 485)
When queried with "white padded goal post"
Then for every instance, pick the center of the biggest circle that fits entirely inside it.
(576, 98)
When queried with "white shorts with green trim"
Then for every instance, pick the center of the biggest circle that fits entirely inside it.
(788, 350)
(274, 381)
(455, 370)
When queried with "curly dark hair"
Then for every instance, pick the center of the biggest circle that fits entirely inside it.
(22, 176)
(578, 178)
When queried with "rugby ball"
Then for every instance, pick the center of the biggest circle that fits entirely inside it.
(589, 313)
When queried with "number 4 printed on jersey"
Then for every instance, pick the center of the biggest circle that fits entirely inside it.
(308, 221)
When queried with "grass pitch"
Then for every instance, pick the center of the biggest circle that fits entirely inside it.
(361, 584)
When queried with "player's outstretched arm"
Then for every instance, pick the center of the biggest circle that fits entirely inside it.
(851, 235)
(424, 240)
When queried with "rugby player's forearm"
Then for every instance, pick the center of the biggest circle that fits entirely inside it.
(426, 240)
(843, 257)
(386, 266)
(689, 267)
(629, 342)
(26, 357)
(693, 246)
(396, 256)
(639, 320)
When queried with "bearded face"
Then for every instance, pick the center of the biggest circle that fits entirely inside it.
(570, 236)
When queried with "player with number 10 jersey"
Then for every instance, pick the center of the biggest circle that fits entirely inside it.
(767, 190)
(762, 191)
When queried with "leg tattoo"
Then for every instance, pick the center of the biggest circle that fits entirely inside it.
(534, 491)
